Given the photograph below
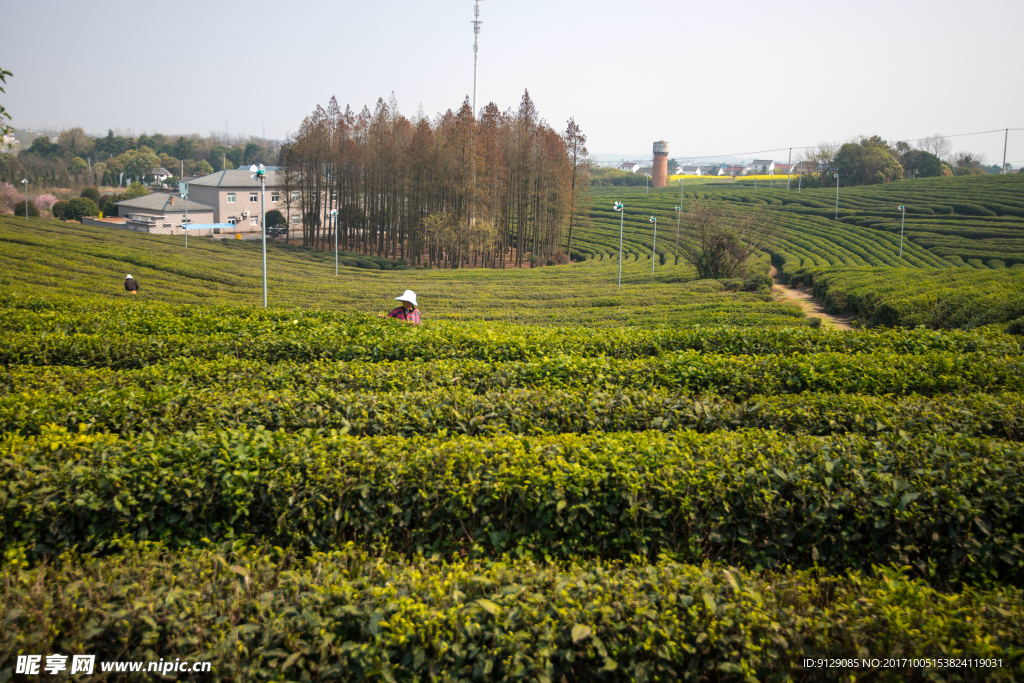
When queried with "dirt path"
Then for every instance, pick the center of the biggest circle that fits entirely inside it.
(803, 298)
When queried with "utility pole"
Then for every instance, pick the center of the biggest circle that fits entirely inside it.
(476, 47)
(1006, 138)
(789, 168)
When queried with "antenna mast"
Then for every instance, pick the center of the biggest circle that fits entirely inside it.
(476, 47)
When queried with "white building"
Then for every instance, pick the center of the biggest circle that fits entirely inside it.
(761, 166)
(630, 166)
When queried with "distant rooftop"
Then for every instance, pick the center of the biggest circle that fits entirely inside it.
(234, 179)
(162, 202)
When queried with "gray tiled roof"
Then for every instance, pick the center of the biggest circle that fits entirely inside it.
(160, 201)
(234, 179)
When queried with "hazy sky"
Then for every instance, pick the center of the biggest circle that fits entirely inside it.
(709, 77)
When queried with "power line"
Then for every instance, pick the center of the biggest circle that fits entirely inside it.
(780, 149)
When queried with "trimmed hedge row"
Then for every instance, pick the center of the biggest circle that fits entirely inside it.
(879, 373)
(347, 616)
(178, 407)
(125, 337)
(948, 298)
(950, 505)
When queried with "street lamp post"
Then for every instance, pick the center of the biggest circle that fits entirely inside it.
(261, 173)
(334, 217)
(679, 214)
(648, 175)
(621, 209)
(903, 219)
(25, 183)
(837, 196)
(771, 179)
(654, 219)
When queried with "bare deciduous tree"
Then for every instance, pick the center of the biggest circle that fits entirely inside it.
(503, 183)
(937, 144)
(718, 245)
(576, 148)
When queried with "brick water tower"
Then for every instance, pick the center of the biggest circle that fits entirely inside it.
(660, 177)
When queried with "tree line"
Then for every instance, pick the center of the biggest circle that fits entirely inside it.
(870, 160)
(495, 189)
(76, 158)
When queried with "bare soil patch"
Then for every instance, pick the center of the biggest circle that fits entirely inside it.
(803, 298)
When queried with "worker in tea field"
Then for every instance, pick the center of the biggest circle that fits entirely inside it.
(130, 285)
(407, 312)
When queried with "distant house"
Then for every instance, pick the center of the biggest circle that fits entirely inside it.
(159, 174)
(805, 167)
(9, 140)
(734, 170)
(783, 168)
(690, 170)
(630, 166)
(761, 166)
(235, 198)
(162, 213)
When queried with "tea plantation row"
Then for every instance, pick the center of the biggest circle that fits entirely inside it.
(455, 410)
(951, 505)
(349, 616)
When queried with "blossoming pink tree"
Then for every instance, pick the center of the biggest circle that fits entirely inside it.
(45, 202)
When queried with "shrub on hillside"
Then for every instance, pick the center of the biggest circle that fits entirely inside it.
(80, 207)
(733, 284)
(559, 258)
(91, 193)
(19, 209)
(58, 209)
(108, 203)
(756, 283)
(1015, 326)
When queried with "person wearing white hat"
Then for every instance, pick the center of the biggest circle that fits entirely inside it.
(130, 285)
(407, 312)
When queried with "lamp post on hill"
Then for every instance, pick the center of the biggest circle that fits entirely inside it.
(621, 209)
(334, 218)
(25, 183)
(648, 175)
(261, 173)
(903, 219)
(679, 215)
(837, 196)
(654, 243)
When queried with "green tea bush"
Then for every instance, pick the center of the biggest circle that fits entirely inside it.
(757, 282)
(263, 614)
(756, 498)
